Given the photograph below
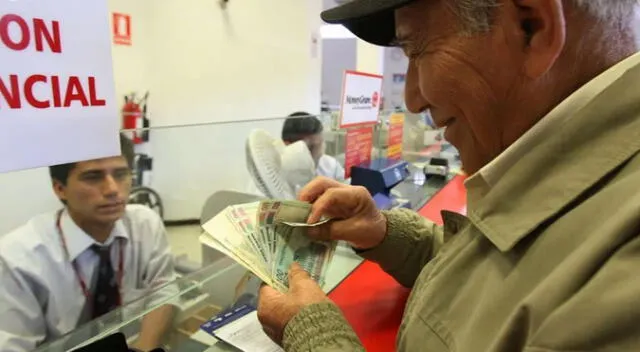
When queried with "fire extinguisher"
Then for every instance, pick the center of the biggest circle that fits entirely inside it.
(134, 117)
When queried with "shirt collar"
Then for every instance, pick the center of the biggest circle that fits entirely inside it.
(491, 173)
(79, 241)
(585, 146)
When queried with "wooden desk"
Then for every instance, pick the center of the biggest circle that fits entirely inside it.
(372, 301)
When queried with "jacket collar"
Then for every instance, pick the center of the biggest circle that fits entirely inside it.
(582, 150)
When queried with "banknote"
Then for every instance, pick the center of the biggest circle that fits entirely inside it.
(291, 242)
(243, 217)
(226, 238)
(304, 224)
(267, 237)
(274, 211)
(264, 276)
(295, 246)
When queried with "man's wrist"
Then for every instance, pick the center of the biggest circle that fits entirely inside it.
(317, 325)
(379, 232)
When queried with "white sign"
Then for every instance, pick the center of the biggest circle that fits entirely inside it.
(57, 97)
(361, 97)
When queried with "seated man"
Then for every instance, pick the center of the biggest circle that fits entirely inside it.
(67, 267)
(306, 127)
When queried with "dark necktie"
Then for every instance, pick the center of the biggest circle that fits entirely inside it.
(106, 295)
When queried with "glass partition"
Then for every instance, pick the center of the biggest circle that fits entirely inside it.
(186, 175)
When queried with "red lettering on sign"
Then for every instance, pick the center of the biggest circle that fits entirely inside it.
(41, 34)
(28, 92)
(75, 92)
(14, 92)
(55, 90)
(95, 101)
(11, 97)
(25, 35)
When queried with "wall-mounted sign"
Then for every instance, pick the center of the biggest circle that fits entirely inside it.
(358, 148)
(394, 142)
(121, 24)
(361, 99)
(57, 100)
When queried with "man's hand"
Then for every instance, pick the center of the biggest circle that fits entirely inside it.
(276, 309)
(357, 219)
(156, 325)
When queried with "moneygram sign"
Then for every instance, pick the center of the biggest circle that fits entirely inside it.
(57, 101)
(363, 102)
(360, 99)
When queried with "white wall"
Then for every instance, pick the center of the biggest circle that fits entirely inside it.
(24, 194)
(369, 57)
(193, 162)
(395, 62)
(338, 55)
(130, 64)
(250, 61)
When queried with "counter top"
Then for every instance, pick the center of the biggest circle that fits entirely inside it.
(371, 300)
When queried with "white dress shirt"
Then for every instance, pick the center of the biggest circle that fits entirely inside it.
(491, 173)
(40, 296)
(330, 167)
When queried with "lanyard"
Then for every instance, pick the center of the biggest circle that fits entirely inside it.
(74, 264)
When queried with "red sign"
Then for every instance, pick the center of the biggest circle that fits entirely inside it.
(121, 29)
(358, 148)
(394, 143)
(18, 90)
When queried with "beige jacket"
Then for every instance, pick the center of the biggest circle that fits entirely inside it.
(547, 260)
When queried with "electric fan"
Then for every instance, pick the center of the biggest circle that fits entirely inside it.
(264, 164)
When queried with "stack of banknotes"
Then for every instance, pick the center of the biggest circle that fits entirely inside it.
(267, 237)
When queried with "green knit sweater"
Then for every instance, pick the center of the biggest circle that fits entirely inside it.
(322, 327)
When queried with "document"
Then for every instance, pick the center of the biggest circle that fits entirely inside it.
(240, 328)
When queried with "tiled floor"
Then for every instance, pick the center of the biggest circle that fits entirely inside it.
(184, 241)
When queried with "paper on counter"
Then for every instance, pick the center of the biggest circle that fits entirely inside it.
(241, 329)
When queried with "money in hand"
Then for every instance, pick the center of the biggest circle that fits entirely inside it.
(304, 224)
(267, 237)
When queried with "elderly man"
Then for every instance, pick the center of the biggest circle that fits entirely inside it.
(541, 99)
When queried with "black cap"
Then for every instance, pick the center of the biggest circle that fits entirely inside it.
(370, 20)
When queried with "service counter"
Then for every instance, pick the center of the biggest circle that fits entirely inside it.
(371, 300)
(201, 295)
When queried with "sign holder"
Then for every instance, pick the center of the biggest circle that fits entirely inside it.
(359, 110)
(358, 148)
(361, 99)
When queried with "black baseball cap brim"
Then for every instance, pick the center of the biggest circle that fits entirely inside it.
(370, 20)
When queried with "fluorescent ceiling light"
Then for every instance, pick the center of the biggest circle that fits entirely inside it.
(335, 31)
